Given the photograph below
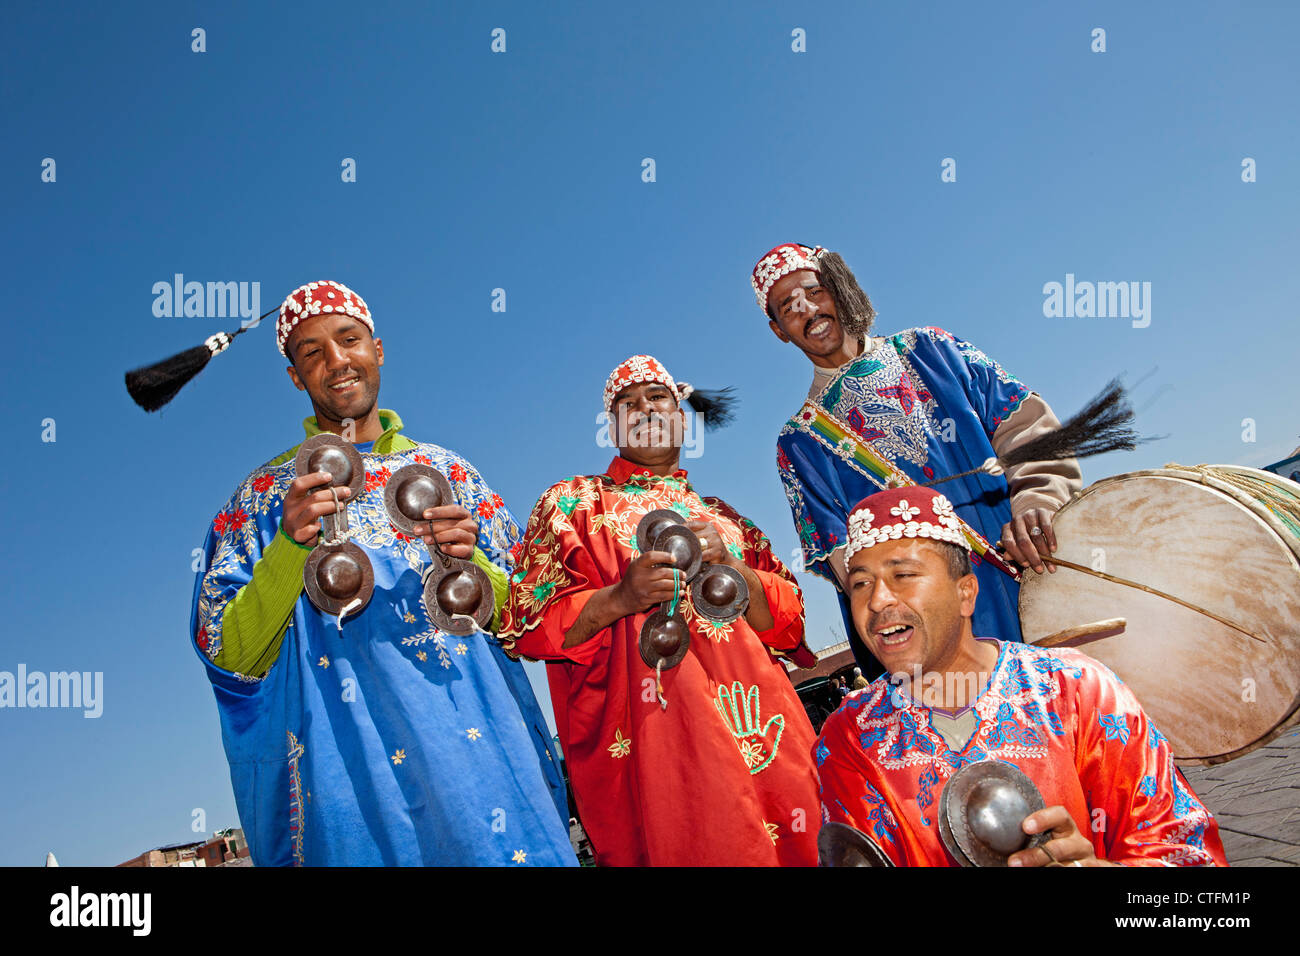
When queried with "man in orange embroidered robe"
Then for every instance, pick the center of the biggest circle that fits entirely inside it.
(723, 775)
(1106, 773)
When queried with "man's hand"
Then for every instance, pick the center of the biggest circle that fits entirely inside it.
(306, 500)
(451, 528)
(711, 544)
(648, 581)
(1066, 847)
(1028, 538)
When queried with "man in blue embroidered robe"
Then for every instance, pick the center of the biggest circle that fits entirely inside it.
(380, 740)
(929, 404)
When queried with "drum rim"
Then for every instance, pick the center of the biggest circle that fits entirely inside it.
(1190, 474)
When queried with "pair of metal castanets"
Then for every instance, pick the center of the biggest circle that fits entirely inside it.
(339, 577)
(718, 591)
(980, 815)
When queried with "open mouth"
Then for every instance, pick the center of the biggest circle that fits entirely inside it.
(649, 431)
(895, 634)
(819, 327)
(345, 385)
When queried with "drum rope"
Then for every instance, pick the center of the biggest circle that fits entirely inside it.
(1150, 590)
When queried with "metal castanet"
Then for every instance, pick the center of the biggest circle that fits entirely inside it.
(459, 598)
(328, 452)
(457, 593)
(338, 577)
(664, 640)
(981, 810)
(719, 593)
(653, 524)
(412, 490)
(665, 636)
(683, 545)
(839, 844)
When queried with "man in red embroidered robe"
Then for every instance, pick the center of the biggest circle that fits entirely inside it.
(722, 775)
(949, 699)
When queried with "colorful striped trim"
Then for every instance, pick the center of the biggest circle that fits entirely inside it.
(833, 433)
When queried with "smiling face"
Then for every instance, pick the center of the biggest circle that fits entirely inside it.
(802, 311)
(648, 424)
(336, 362)
(909, 609)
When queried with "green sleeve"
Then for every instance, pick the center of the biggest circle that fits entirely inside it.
(500, 586)
(254, 622)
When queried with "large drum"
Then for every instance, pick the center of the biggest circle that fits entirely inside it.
(1218, 680)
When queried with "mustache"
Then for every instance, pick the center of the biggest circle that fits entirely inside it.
(817, 318)
(874, 623)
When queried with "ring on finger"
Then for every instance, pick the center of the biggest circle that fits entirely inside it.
(1036, 530)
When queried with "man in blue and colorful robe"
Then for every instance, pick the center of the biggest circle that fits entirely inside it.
(374, 739)
(907, 408)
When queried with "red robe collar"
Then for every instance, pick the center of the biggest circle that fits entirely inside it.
(623, 471)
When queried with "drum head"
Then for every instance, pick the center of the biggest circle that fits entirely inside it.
(410, 491)
(839, 844)
(329, 452)
(1213, 691)
(336, 575)
(459, 600)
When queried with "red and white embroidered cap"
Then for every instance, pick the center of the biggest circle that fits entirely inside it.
(781, 261)
(313, 299)
(902, 513)
(639, 369)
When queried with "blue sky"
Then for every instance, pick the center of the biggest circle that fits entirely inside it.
(522, 171)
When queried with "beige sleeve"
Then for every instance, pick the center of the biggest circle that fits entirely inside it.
(1035, 484)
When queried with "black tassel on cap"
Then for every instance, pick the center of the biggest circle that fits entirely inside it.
(155, 385)
(717, 408)
(1104, 424)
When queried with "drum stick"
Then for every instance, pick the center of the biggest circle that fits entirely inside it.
(1084, 633)
(1142, 587)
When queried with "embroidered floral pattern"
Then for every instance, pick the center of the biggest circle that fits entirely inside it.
(1115, 726)
(876, 397)
(621, 746)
